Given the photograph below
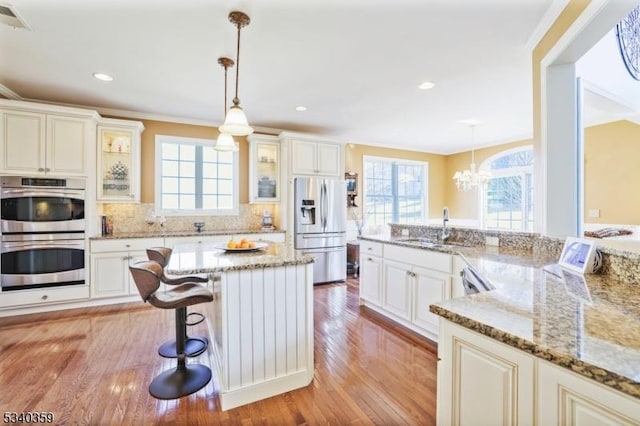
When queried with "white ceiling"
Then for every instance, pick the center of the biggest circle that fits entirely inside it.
(354, 64)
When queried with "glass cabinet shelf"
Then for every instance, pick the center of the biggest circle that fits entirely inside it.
(264, 169)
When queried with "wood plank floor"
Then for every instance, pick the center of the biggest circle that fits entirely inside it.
(93, 367)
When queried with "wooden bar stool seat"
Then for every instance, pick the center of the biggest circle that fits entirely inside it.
(185, 379)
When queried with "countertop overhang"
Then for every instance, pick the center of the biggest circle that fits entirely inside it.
(591, 327)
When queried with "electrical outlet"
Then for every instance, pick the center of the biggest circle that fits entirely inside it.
(594, 213)
(492, 241)
(405, 232)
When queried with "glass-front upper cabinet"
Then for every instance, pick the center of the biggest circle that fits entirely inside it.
(119, 160)
(264, 168)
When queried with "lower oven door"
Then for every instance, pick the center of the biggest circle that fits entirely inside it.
(33, 264)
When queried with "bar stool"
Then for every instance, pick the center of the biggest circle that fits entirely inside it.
(185, 379)
(195, 345)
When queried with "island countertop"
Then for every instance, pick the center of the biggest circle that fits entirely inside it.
(187, 259)
(591, 327)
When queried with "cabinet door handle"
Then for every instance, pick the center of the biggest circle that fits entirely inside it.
(369, 259)
(45, 297)
(40, 169)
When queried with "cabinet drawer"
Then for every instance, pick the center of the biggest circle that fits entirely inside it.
(425, 258)
(42, 296)
(370, 247)
(125, 245)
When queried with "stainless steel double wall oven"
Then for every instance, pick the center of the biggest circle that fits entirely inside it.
(43, 232)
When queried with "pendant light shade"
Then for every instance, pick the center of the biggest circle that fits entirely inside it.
(235, 122)
(225, 141)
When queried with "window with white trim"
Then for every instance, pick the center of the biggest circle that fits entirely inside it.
(507, 199)
(394, 191)
(193, 178)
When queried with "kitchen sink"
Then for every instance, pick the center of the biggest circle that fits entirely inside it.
(427, 242)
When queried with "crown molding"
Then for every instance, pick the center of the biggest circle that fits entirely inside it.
(553, 11)
(9, 94)
(123, 113)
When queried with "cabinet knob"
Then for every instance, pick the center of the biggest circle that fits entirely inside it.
(127, 245)
(125, 258)
(40, 169)
(47, 169)
(370, 259)
(45, 297)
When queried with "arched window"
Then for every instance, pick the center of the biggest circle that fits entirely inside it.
(507, 200)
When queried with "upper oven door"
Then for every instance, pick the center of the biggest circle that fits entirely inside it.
(42, 210)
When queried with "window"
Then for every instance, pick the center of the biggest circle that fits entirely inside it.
(507, 200)
(394, 191)
(193, 178)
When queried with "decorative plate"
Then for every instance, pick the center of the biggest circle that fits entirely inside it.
(628, 35)
(259, 246)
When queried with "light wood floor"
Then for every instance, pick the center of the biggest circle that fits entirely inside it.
(93, 367)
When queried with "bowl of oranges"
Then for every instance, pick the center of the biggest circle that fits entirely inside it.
(243, 245)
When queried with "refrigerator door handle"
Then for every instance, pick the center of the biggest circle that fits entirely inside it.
(325, 206)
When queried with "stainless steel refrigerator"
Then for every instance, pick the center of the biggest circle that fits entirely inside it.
(320, 222)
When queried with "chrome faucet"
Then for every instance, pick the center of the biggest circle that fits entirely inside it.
(446, 233)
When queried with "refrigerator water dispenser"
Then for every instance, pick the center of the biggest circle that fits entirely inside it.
(308, 212)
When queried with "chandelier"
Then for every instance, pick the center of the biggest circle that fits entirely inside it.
(225, 141)
(235, 122)
(469, 179)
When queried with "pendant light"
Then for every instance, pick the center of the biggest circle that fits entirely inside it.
(469, 179)
(235, 122)
(225, 141)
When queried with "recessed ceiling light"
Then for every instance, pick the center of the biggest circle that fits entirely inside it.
(102, 76)
(470, 122)
(301, 108)
(426, 85)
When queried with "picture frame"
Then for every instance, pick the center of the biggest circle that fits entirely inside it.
(352, 183)
(578, 254)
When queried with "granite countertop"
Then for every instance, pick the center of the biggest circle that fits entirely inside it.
(191, 233)
(589, 326)
(188, 259)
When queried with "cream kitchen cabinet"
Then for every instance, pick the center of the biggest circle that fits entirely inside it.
(110, 260)
(397, 288)
(566, 398)
(118, 160)
(370, 272)
(45, 140)
(312, 155)
(482, 381)
(264, 169)
(401, 283)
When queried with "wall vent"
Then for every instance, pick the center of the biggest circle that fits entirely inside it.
(9, 16)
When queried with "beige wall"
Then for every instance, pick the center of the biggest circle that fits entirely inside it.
(436, 178)
(153, 128)
(464, 205)
(612, 173)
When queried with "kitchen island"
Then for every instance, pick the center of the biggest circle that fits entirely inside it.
(260, 321)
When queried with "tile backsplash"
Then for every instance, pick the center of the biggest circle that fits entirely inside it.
(132, 218)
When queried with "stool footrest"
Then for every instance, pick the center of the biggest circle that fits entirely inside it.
(197, 314)
(194, 346)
